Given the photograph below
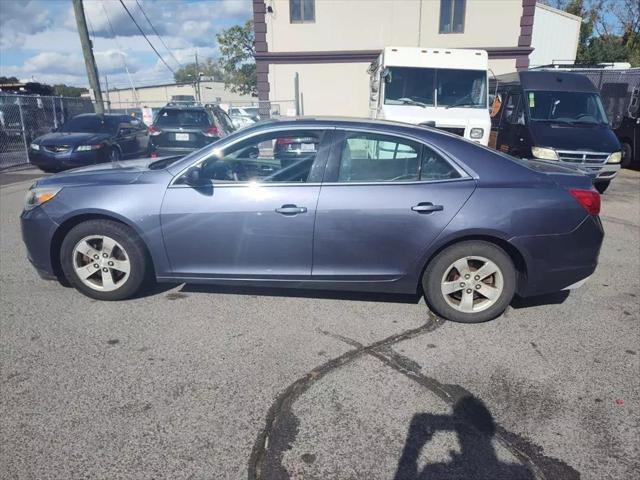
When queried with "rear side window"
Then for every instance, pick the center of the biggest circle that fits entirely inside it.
(378, 158)
(182, 118)
(381, 158)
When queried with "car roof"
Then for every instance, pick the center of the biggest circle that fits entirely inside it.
(549, 80)
(354, 122)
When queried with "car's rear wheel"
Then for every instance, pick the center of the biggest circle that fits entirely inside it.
(470, 282)
(601, 187)
(104, 260)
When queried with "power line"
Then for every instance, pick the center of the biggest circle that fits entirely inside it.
(157, 34)
(145, 37)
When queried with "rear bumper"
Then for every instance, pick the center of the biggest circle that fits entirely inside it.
(558, 262)
(171, 151)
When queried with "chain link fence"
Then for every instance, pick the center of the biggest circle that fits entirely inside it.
(25, 117)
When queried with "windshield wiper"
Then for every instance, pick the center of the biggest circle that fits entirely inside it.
(410, 101)
(463, 104)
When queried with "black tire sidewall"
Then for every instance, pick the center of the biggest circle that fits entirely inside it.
(432, 277)
(601, 187)
(124, 236)
(627, 153)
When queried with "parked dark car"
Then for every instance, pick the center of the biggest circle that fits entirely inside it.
(379, 206)
(88, 139)
(556, 116)
(179, 130)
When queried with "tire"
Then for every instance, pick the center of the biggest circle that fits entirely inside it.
(470, 255)
(627, 155)
(123, 248)
(601, 187)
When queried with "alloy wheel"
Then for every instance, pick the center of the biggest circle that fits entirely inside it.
(472, 284)
(101, 263)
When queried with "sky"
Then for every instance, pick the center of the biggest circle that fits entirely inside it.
(39, 40)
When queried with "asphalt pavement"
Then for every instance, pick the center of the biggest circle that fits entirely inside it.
(192, 382)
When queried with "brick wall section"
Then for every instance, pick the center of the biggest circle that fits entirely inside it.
(526, 29)
(261, 47)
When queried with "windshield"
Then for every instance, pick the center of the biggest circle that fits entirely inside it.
(565, 107)
(90, 124)
(182, 118)
(439, 87)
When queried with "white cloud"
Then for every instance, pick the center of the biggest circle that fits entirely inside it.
(20, 19)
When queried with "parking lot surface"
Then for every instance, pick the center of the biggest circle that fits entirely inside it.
(216, 383)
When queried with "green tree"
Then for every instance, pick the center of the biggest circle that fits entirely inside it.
(208, 68)
(68, 91)
(6, 80)
(237, 58)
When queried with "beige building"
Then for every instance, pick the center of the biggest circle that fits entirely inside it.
(159, 95)
(330, 44)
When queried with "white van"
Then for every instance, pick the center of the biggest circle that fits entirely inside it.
(445, 88)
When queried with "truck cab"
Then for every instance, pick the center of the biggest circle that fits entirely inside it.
(555, 116)
(439, 87)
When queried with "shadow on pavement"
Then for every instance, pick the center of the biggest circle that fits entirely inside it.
(302, 293)
(555, 298)
(474, 426)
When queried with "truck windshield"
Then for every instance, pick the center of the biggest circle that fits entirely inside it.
(439, 87)
(565, 107)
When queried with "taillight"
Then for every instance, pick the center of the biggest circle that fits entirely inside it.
(153, 131)
(211, 132)
(589, 199)
(154, 155)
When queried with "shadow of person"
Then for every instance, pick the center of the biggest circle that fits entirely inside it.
(477, 459)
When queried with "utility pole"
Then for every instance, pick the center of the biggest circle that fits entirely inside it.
(87, 52)
(106, 86)
(198, 79)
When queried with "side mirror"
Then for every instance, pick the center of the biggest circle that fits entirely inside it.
(194, 177)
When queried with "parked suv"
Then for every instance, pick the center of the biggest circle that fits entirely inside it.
(178, 130)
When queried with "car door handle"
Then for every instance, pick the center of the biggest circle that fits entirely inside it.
(427, 207)
(291, 209)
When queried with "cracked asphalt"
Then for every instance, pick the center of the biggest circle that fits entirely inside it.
(220, 383)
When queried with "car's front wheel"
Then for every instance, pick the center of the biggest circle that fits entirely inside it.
(601, 187)
(470, 282)
(104, 260)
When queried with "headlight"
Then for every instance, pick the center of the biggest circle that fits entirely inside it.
(615, 157)
(476, 133)
(37, 196)
(544, 153)
(35, 146)
(86, 148)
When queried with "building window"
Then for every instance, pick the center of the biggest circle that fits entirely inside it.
(302, 11)
(452, 16)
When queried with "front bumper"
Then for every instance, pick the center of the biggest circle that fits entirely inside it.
(558, 262)
(38, 230)
(607, 173)
(63, 161)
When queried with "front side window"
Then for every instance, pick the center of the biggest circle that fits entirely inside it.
(274, 157)
(302, 11)
(452, 16)
(565, 107)
(513, 110)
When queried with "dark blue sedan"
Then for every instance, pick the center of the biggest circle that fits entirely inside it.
(363, 205)
(88, 139)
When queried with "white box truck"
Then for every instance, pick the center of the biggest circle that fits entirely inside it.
(445, 88)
